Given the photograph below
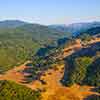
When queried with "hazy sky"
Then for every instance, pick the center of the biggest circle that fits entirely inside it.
(50, 11)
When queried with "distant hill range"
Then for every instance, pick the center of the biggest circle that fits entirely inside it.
(39, 31)
(54, 31)
(76, 28)
(93, 31)
(11, 23)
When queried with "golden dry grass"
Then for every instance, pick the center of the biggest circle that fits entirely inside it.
(53, 89)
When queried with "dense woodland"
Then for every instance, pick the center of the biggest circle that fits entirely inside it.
(15, 49)
(12, 91)
(83, 67)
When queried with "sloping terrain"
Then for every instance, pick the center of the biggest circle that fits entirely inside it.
(76, 29)
(50, 87)
(19, 41)
(80, 65)
(48, 83)
(12, 91)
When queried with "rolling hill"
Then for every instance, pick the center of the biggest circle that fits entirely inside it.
(49, 71)
(19, 41)
(11, 23)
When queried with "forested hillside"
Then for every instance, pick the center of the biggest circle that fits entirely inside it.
(12, 91)
(15, 48)
(82, 67)
(20, 41)
(90, 32)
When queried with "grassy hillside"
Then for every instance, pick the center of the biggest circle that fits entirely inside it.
(20, 43)
(15, 48)
(41, 33)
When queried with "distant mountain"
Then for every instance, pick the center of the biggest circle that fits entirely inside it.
(93, 31)
(41, 32)
(11, 23)
(60, 27)
(76, 28)
(60, 30)
(38, 32)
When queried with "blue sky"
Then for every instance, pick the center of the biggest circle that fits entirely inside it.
(50, 11)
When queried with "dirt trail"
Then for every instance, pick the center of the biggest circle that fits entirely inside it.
(52, 88)
(14, 74)
(71, 49)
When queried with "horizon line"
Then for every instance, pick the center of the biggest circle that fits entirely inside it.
(34, 22)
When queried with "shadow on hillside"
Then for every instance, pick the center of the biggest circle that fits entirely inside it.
(89, 51)
(43, 50)
(92, 97)
(95, 89)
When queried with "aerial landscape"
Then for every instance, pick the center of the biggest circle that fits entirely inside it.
(49, 50)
